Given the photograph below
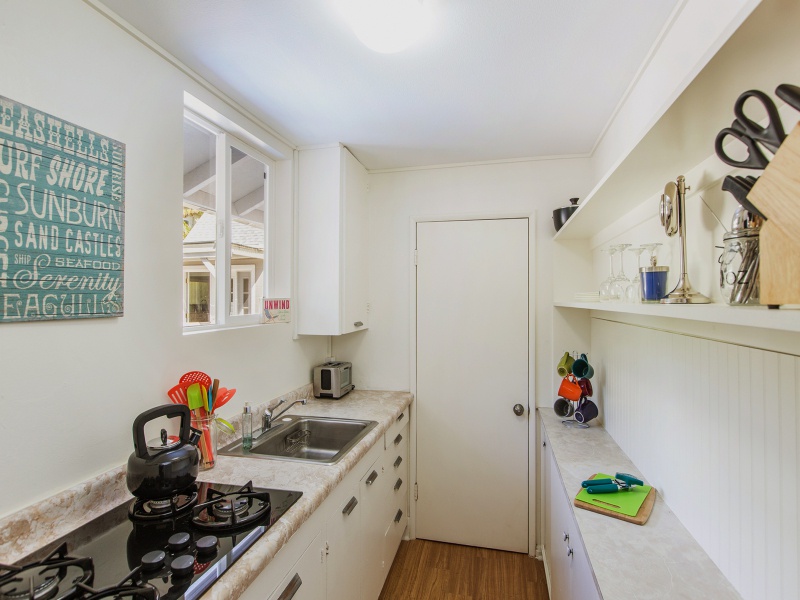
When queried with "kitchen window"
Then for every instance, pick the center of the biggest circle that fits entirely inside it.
(226, 194)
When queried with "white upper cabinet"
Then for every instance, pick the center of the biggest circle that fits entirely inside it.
(332, 288)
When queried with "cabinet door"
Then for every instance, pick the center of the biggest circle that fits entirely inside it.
(355, 289)
(306, 579)
(373, 520)
(581, 576)
(332, 288)
(345, 546)
(559, 521)
(319, 242)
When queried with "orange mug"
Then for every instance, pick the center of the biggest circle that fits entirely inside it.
(570, 389)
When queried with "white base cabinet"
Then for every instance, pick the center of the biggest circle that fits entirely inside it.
(346, 548)
(345, 543)
(570, 574)
(306, 578)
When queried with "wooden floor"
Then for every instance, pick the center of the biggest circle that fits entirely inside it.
(426, 570)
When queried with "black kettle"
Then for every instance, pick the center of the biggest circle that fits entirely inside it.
(157, 472)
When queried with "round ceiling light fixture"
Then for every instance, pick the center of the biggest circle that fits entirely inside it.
(386, 26)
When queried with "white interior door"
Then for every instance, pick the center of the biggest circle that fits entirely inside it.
(472, 368)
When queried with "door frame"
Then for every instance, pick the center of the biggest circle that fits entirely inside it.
(532, 483)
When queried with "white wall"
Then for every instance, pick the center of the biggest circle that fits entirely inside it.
(715, 427)
(69, 390)
(710, 413)
(381, 355)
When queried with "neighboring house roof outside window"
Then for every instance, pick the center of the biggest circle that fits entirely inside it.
(244, 236)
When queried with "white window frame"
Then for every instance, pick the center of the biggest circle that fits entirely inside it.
(224, 142)
(251, 271)
(212, 307)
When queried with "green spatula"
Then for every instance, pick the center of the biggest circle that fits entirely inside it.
(194, 396)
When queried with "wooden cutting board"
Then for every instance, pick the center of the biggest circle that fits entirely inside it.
(641, 516)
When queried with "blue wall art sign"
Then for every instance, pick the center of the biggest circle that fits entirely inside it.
(62, 218)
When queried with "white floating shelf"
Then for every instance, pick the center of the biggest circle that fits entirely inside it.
(783, 319)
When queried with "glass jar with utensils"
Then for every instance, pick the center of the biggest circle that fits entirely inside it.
(739, 263)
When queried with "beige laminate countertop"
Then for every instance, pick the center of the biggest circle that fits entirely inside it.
(656, 561)
(45, 522)
(315, 481)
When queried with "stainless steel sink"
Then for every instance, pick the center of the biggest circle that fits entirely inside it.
(319, 440)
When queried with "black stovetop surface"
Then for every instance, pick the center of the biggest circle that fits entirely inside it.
(118, 547)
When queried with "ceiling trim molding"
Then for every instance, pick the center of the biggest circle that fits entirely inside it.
(185, 69)
(480, 163)
(673, 17)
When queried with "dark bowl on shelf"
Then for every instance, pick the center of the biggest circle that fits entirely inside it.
(561, 215)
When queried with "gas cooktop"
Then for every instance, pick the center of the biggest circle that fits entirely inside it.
(150, 550)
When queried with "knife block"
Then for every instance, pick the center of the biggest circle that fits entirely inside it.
(777, 195)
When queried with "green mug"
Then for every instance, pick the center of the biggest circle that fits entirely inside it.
(564, 367)
(581, 368)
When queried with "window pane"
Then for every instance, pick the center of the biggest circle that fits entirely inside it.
(248, 201)
(198, 299)
(199, 223)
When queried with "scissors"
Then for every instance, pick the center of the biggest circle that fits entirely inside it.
(751, 134)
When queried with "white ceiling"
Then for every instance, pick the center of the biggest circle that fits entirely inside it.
(494, 79)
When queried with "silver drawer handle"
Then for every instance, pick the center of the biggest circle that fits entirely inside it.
(350, 506)
(292, 588)
(398, 516)
(398, 461)
(372, 477)
(566, 537)
(358, 324)
(398, 439)
(398, 484)
(570, 552)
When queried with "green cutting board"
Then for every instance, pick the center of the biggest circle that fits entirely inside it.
(626, 503)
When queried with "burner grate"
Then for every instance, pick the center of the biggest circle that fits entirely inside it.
(165, 508)
(56, 577)
(227, 511)
(130, 587)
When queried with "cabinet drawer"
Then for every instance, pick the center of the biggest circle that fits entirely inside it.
(399, 496)
(394, 534)
(396, 428)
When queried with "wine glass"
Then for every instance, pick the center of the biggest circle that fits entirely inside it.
(620, 285)
(634, 292)
(605, 287)
(652, 248)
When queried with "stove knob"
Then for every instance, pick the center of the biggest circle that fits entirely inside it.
(182, 566)
(207, 544)
(153, 561)
(178, 541)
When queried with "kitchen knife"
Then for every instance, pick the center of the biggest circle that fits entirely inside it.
(790, 94)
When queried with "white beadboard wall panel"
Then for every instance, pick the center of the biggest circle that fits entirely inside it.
(714, 427)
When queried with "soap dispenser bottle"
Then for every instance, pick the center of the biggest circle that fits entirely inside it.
(247, 427)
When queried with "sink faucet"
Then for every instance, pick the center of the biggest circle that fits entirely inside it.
(269, 417)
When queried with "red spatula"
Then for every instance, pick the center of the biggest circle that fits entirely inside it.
(178, 394)
(223, 396)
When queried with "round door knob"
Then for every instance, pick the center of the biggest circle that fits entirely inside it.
(519, 410)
